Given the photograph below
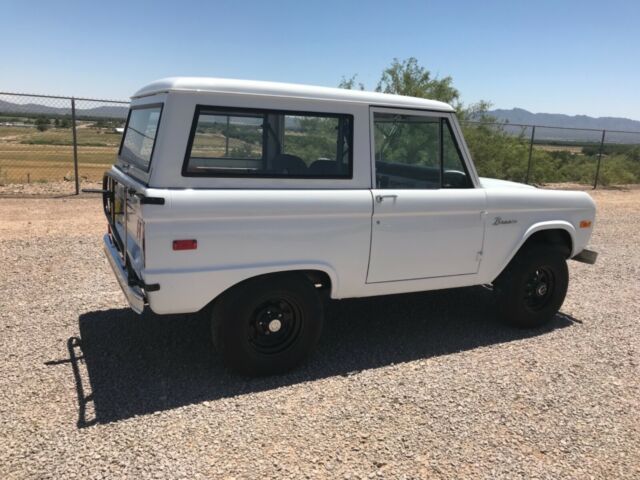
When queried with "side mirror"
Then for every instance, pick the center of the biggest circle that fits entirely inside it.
(455, 179)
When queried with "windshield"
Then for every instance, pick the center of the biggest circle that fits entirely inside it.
(140, 135)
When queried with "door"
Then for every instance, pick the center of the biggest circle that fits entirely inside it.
(428, 217)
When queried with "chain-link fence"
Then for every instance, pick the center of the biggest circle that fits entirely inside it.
(51, 145)
(554, 155)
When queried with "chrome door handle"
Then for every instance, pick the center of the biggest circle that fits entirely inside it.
(380, 198)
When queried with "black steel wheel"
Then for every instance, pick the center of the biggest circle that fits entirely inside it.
(539, 288)
(532, 288)
(268, 324)
(275, 325)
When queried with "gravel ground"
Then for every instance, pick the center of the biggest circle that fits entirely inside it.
(420, 385)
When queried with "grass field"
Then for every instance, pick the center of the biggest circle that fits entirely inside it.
(576, 150)
(214, 145)
(30, 156)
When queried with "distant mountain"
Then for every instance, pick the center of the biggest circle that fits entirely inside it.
(520, 115)
(103, 111)
(512, 116)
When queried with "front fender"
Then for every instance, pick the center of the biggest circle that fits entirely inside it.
(537, 227)
(551, 225)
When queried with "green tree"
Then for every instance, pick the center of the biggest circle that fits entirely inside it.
(42, 123)
(408, 78)
(350, 83)
(477, 112)
(496, 152)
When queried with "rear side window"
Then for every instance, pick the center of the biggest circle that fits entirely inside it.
(234, 140)
(269, 143)
(140, 135)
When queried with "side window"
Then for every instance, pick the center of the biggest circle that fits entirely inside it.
(407, 151)
(322, 143)
(269, 144)
(234, 141)
(416, 152)
(454, 172)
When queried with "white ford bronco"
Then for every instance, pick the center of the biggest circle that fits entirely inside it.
(252, 201)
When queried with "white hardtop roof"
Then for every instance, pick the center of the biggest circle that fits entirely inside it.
(251, 87)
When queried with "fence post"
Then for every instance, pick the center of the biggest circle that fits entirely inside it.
(595, 182)
(75, 145)
(533, 135)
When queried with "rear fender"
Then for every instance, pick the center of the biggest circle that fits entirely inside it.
(191, 290)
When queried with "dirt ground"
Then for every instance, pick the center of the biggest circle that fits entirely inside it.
(423, 385)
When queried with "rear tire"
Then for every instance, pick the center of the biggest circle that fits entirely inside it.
(532, 288)
(267, 325)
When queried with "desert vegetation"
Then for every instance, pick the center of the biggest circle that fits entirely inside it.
(502, 152)
(36, 147)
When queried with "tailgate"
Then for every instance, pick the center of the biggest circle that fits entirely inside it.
(122, 201)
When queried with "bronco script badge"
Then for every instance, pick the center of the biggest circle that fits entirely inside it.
(500, 221)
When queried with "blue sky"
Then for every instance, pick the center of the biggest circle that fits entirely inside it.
(574, 57)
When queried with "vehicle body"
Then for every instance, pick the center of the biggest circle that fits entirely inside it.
(360, 193)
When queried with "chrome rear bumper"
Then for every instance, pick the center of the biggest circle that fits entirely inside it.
(134, 294)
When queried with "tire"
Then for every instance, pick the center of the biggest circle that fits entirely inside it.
(533, 286)
(267, 325)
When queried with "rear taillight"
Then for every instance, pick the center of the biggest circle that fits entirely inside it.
(185, 244)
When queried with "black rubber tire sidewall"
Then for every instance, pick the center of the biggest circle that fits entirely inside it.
(512, 283)
(232, 312)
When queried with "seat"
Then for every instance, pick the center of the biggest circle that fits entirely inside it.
(323, 167)
(289, 164)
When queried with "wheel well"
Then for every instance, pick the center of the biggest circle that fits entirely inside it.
(321, 280)
(557, 237)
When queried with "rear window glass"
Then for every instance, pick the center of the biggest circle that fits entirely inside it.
(269, 143)
(140, 135)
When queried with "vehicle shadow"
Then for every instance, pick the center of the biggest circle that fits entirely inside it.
(126, 365)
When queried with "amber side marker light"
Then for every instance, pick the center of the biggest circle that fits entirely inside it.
(185, 244)
(585, 223)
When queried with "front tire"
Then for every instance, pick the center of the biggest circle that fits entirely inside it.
(532, 288)
(267, 325)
